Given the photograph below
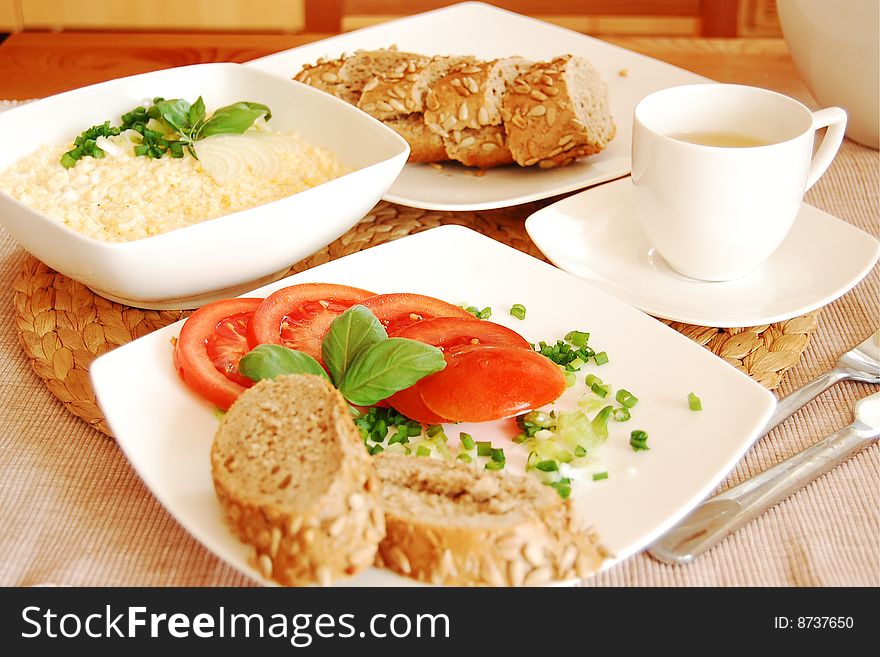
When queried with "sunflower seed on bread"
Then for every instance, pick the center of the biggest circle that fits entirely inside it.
(295, 482)
(469, 96)
(453, 524)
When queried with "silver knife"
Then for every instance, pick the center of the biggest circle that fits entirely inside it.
(723, 514)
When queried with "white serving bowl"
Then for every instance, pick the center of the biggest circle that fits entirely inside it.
(220, 257)
(836, 48)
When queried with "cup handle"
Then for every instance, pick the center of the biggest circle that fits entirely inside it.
(834, 118)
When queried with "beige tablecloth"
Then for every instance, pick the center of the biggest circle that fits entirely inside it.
(72, 511)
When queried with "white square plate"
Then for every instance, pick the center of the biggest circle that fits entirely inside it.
(487, 32)
(166, 431)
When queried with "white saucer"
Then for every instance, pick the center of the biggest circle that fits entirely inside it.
(596, 236)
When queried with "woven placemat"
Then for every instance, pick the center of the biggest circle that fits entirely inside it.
(63, 326)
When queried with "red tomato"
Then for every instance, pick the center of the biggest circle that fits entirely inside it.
(397, 311)
(409, 402)
(300, 315)
(211, 342)
(447, 333)
(485, 382)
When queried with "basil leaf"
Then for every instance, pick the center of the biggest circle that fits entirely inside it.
(351, 333)
(232, 119)
(387, 367)
(175, 113)
(196, 113)
(267, 361)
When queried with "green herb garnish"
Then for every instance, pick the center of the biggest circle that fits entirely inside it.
(694, 402)
(518, 310)
(638, 440)
(598, 476)
(367, 366)
(183, 125)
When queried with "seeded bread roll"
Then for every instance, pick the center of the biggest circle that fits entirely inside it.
(485, 114)
(453, 524)
(324, 75)
(424, 145)
(483, 148)
(295, 482)
(556, 112)
(469, 96)
(402, 91)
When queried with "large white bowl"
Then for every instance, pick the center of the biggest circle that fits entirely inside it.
(836, 48)
(189, 266)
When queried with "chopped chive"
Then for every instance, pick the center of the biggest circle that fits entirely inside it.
(498, 455)
(626, 399)
(601, 358)
(464, 456)
(485, 313)
(694, 402)
(521, 438)
(402, 436)
(564, 490)
(579, 451)
(494, 465)
(423, 451)
(467, 440)
(599, 389)
(376, 449)
(219, 413)
(638, 440)
(484, 448)
(547, 466)
(598, 476)
(473, 310)
(591, 379)
(518, 310)
(434, 429)
(621, 414)
(577, 338)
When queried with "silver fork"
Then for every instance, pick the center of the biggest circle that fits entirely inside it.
(719, 516)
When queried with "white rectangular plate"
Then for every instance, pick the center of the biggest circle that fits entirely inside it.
(166, 431)
(487, 32)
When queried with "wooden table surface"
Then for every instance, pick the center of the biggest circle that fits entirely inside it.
(37, 64)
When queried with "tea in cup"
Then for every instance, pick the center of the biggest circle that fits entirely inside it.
(720, 170)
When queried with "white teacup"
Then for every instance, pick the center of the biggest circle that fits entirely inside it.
(717, 209)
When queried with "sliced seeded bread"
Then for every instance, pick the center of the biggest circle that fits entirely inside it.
(484, 114)
(424, 145)
(556, 112)
(399, 92)
(469, 96)
(451, 523)
(295, 482)
(484, 148)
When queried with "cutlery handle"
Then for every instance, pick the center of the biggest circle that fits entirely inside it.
(796, 399)
(723, 514)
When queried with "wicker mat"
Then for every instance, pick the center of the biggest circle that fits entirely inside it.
(63, 326)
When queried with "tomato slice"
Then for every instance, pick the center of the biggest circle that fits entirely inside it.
(447, 333)
(399, 310)
(209, 347)
(300, 315)
(486, 382)
(409, 402)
